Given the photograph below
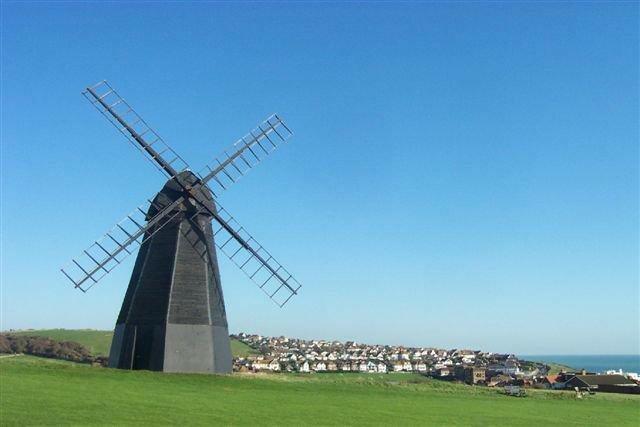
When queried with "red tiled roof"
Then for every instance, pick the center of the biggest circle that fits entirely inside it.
(552, 378)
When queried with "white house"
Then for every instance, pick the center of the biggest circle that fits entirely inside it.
(420, 366)
(262, 364)
(274, 365)
(304, 367)
(320, 366)
(382, 368)
(372, 366)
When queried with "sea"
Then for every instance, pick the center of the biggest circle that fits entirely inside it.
(591, 362)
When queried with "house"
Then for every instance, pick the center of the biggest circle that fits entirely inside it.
(605, 383)
(406, 366)
(474, 375)
(547, 382)
(499, 380)
(444, 372)
(382, 368)
(511, 365)
(398, 366)
(262, 364)
(274, 365)
(304, 367)
(467, 359)
(420, 366)
(346, 367)
(372, 366)
(332, 366)
(320, 366)
(363, 367)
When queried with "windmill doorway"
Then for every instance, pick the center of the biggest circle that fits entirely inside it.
(145, 348)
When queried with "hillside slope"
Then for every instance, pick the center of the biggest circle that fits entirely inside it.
(43, 391)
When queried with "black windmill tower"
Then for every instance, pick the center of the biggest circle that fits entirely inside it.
(173, 315)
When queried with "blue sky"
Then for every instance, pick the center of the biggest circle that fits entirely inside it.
(461, 175)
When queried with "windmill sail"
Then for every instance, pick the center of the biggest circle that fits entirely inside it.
(107, 252)
(245, 154)
(253, 259)
(111, 105)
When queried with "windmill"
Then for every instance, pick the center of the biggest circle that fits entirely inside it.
(173, 316)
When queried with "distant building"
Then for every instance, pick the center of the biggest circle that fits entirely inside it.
(605, 383)
(499, 380)
(420, 366)
(445, 372)
(320, 367)
(474, 375)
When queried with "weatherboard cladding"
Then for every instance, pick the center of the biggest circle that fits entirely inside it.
(175, 281)
(151, 294)
(196, 294)
(176, 277)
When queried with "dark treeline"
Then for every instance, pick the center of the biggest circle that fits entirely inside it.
(46, 347)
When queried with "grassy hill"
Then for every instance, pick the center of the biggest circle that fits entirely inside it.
(556, 368)
(44, 391)
(240, 349)
(99, 342)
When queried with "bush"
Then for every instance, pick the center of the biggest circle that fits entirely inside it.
(45, 347)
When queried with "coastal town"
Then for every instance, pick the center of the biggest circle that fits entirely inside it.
(282, 354)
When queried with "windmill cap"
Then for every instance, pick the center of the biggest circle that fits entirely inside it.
(174, 189)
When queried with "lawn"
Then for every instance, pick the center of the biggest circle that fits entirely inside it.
(43, 391)
(99, 342)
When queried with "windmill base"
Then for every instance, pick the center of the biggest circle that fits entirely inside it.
(172, 348)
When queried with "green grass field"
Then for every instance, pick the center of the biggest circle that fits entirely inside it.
(99, 342)
(42, 391)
